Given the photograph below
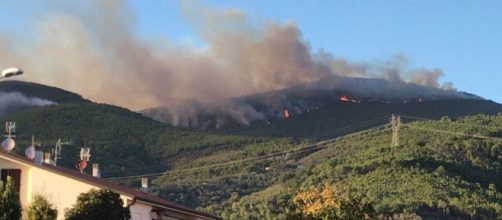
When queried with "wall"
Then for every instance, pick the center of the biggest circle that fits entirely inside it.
(141, 211)
(24, 189)
(61, 191)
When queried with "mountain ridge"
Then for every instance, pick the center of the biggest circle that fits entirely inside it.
(267, 106)
(33, 89)
(126, 143)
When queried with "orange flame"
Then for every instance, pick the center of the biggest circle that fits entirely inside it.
(347, 99)
(285, 113)
(344, 99)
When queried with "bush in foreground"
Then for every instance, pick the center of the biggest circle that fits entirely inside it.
(40, 208)
(98, 204)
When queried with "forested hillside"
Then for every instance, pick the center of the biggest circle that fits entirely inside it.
(450, 167)
(123, 142)
(442, 169)
(41, 91)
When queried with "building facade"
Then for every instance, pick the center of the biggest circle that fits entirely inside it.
(62, 186)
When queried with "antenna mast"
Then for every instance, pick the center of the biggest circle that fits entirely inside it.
(395, 123)
(56, 151)
(10, 127)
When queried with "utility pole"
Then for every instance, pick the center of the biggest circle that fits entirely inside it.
(395, 123)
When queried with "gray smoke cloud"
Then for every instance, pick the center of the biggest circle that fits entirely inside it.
(96, 52)
(12, 101)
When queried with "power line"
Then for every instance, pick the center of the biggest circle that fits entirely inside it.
(217, 165)
(452, 122)
(349, 127)
(449, 132)
(454, 133)
(311, 147)
(418, 118)
(314, 146)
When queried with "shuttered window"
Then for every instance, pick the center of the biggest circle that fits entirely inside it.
(16, 176)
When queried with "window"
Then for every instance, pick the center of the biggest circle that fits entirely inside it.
(16, 176)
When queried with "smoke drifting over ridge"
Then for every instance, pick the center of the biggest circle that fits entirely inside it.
(97, 53)
(12, 101)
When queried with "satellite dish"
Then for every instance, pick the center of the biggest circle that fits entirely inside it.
(30, 152)
(81, 165)
(85, 154)
(8, 144)
(12, 71)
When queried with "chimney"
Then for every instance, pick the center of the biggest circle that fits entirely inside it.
(39, 155)
(144, 185)
(95, 170)
(47, 158)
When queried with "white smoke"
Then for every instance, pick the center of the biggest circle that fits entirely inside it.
(11, 101)
(96, 53)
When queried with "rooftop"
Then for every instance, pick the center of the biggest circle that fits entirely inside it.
(133, 193)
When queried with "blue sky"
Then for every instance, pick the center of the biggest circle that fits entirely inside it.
(463, 38)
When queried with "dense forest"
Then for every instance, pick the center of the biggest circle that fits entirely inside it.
(450, 167)
(442, 169)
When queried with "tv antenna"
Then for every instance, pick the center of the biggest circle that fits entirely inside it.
(10, 127)
(8, 144)
(85, 155)
(56, 151)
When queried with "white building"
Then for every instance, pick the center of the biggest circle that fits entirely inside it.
(62, 186)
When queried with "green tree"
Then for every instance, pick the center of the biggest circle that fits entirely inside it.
(40, 209)
(10, 207)
(96, 205)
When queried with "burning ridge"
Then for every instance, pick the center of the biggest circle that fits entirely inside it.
(284, 103)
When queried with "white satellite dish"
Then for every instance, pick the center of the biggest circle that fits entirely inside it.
(30, 152)
(8, 144)
(12, 71)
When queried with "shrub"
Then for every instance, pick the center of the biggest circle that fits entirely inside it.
(10, 207)
(40, 208)
(96, 205)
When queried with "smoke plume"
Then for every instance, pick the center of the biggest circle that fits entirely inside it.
(96, 52)
(12, 101)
